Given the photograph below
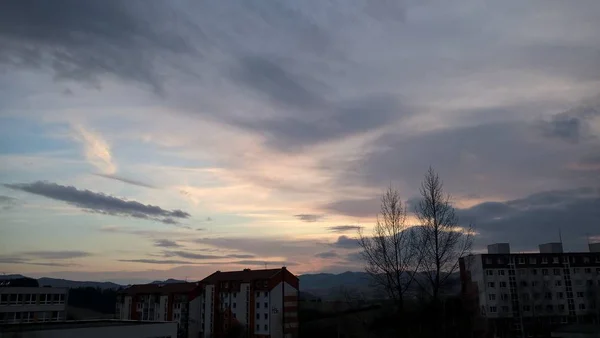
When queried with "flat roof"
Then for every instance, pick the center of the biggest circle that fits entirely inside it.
(73, 324)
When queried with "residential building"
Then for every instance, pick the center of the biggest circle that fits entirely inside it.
(23, 301)
(177, 302)
(262, 303)
(520, 294)
(90, 329)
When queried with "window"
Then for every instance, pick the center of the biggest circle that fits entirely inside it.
(557, 272)
(526, 308)
(13, 299)
(587, 270)
(555, 260)
(522, 272)
(544, 260)
(266, 316)
(266, 327)
(233, 305)
(257, 327)
(502, 284)
(581, 306)
(489, 272)
(3, 299)
(525, 296)
(266, 294)
(258, 305)
(491, 285)
(534, 272)
(501, 272)
(579, 282)
(61, 299)
(234, 294)
(557, 283)
(493, 309)
(576, 270)
(504, 308)
(492, 296)
(548, 295)
(488, 261)
(580, 294)
(549, 308)
(258, 316)
(534, 283)
(586, 259)
(561, 307)
(504, 296)
(521, 260)
(590, 282)
(560, 295)
(545, 272)
(532, 260)
(538, 307)
(257, 294)
(524, 283)
(266, 305)
(500, 261)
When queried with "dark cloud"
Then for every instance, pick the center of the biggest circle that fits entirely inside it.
(126, 180)
(29, 261)
(574, 124)
(327, 254)
(84, 40)
(309, 217)
(99, 202)
(64, 254)
(240, 256)
(156, 261)
(537, 218)
(346, 242)
(166, 243)
(6, 202)
(355, 207)
(355, 257)
(344, 228)
(262, 263)
(189, 255)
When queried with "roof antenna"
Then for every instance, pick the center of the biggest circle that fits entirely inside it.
(560, 236)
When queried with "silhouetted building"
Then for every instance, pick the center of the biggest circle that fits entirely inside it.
(526, 294)
(23, 301)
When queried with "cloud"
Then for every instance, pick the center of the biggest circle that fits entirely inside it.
(537, 218)
(83, 41)
(126, 180)
(189, 255)
(346, 242)
(65, 254)
(165, 243)
(157, 261)
(99, 202)
(344, 228)
(355, 207)
(574, 124)
(309, 217)
(241, 256)
(97, 150)
(6, 202)
(327, 254)
(262, 263)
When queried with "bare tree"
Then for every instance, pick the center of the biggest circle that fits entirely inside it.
(442, 240)
(391, 252)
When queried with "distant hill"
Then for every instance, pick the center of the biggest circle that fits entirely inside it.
(65, 283)
(168, 281)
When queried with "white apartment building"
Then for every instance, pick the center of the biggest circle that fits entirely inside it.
(517, 294)
(23, 301)
(261, 303)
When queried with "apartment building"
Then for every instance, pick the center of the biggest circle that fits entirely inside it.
(523, 294)
(174, 302)
(262, 303)
(23, 301)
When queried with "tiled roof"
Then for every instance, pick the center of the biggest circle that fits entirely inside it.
(244, 275)
(160, 288)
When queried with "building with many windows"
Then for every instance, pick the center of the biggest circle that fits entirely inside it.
(259, 303)
(23, 301)
(522, 294)
(178, 302)
(262, 303)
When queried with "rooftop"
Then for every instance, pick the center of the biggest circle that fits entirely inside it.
(73, 324)
(161, 288)
(245, 275)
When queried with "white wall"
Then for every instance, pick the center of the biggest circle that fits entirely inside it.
(129, 331)
(276, 308)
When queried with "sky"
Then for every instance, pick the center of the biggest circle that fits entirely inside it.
(144, 140)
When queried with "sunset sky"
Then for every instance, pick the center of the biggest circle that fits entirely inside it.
(144, 140)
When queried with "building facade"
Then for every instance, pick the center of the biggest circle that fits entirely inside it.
(23, 301)
(175, 302)
(254, 303)
(525, 294)
(260, 303)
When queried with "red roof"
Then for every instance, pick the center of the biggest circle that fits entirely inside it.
(161, 288)
(246, 275)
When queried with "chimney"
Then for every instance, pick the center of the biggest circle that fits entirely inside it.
(594, 247)
(555, 247)
(499, 248)
(246, 269)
